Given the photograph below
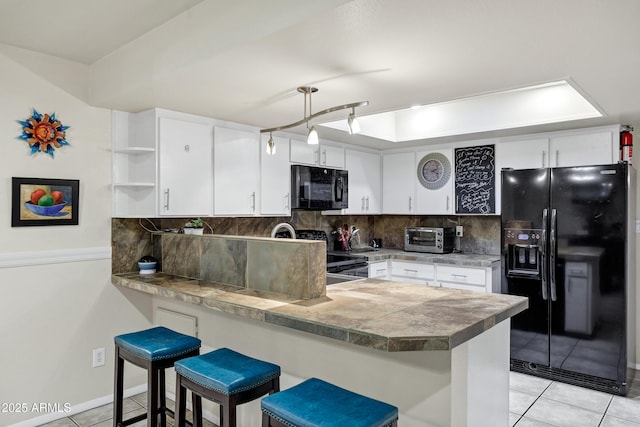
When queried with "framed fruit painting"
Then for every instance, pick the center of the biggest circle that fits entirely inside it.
(43, 201)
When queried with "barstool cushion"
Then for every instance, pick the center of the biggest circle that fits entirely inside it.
(157, 343)
(314, 403)
(226, 371)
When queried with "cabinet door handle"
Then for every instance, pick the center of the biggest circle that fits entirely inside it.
(286, 201)
(362, 203)
(557, 157)
(408, 270)
(447, 207)
(544, 157)
(253, 201)
(410, 207)
(381, 270)
(324, 157)
(166, 199)
(459, 275)
(367, 203)
(316, 156)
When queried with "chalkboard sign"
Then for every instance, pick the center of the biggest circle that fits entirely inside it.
(475, 182)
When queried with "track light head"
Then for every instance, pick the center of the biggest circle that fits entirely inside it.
(352, 123)
(312, 137)
(271, 146)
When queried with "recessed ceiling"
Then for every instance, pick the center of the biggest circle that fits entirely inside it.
(547, 103)
(242, 61)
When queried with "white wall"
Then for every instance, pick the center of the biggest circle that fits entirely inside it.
(52, 314)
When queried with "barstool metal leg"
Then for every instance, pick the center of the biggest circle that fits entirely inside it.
(118, 389)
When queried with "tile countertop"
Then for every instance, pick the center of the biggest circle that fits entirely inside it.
(464, 259)
(379, 314)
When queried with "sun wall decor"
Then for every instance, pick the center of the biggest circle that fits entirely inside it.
(43, 133)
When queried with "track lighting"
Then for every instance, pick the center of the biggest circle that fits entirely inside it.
(312, 137)
(271, 145)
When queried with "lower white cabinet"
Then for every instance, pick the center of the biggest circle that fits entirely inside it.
(412, 272)
(466, 278)
(379, 270)
(480, 279)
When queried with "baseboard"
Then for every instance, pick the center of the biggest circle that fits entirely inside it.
(76, 409)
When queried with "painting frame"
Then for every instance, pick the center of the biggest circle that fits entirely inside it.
(60, 206)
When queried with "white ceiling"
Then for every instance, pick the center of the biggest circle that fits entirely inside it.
(242, 60)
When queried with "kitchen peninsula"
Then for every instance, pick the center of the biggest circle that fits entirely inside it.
(440, 355)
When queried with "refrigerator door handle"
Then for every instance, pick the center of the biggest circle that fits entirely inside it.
(543, 255)
(552, 257)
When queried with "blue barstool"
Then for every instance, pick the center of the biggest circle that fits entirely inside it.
(155, 350)
(317, 403)
(226, 377)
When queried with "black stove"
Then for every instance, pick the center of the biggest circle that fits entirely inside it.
(337, 261)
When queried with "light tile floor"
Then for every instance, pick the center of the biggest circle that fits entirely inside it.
(537, 402)
(102, 416)
(533, 402)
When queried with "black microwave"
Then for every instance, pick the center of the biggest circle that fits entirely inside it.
(317, 188)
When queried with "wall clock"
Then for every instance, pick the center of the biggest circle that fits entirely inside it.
(434, 171)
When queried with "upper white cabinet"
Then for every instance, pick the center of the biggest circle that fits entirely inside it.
(398, 183)
(403, 193)
(580, 147)
(236, 171)
(162, 164)
(275, 178)
(317, 155)
(434, 192)
(364, 182)
(185, 155)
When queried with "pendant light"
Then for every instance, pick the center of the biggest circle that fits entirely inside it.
(312, 135)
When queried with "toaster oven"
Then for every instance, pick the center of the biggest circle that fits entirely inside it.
(437, 240)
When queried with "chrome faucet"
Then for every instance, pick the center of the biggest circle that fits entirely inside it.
(286, 226)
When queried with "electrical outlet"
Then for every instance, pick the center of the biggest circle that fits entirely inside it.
(459, 230)
(98, 357)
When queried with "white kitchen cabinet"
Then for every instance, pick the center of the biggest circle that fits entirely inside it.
(236, 171)
(364, 182)
(185, 157)
(379, 270)
(398, 183)
(579, 147)
(162, 164)
(435, 201)
(275, 178)
(412, 272)
(480, 279)
(316, 155)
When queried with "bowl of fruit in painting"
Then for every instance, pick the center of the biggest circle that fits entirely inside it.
(46, 204)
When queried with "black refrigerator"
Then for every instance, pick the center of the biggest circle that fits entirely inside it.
(568, 244)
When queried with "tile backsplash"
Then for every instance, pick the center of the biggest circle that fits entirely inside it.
(131, 241)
